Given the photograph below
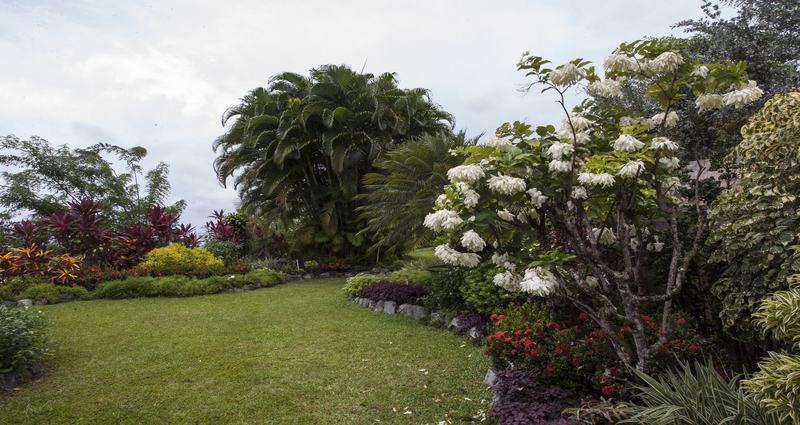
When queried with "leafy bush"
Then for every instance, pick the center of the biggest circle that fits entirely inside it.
(576, 354)
(176, 259)
(696, 395)
(228, 251)
(17, 284)
(183, 286)
(480, 293)
(37, 262)
(410, 274)
(444, 291)
(355, 284)
(23, 341)
(53, 293)
(523, 398)
(401, 293)
(777, 383)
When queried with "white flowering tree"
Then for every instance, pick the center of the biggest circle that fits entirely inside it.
(585, 210)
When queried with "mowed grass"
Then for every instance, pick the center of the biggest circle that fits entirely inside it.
(298, 353)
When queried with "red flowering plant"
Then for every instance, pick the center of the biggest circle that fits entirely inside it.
(576, 353)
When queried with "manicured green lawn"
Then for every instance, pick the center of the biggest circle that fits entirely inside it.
(293, 354)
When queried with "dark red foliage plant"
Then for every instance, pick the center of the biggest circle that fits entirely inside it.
(401, 293)
(522, 398)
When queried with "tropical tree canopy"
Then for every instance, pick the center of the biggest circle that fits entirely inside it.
(41, 179)
(297, 150)
(404, 188)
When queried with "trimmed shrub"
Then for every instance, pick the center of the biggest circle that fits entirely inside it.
(522, 398)
(17, 284)
(355, 284)
(23, 340)
(444, 291)
(401, 293)
(176, 259)
(53, 293)
(415, 275)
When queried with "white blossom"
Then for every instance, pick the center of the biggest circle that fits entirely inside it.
(537, 198)
(441, 200)
(604, 236)
(665, 62)
(557, 150)
(605, 88)
(508, 281)
(472, 241)
(579, 137)
(502, 261)
(627, 143)
(700, 71)
(670, 163)
(559, 166)
(566, 74)
(455, 258)
(620, 63)
(745, 94)
(631, 169)
(538, 281)
(663, 143)
(591, 179)
(709, 102)
(498, 142)
(465, 173)
(506, 185)
(579, 192)
(669, 122)
(468, 196)
(505, 215)
(579, 122)
(442, 220)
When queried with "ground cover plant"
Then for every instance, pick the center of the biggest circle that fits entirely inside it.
(23, 341)
(295, 354)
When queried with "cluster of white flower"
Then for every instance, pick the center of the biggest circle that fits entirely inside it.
(566, 74)
(656, 245)
(502, 261)
(498, 142)
(465, 173)
(579, 193)
(591, 179)
(455, 258)
(605, 88)
(645, 123)
(670, 163)
(665, 62)
(627, 143)
(579, 137)
(700, 71)
(558, 150)
(743, 95)
(620, 63)
(578, 121)
(505, 215)
(538, 281)
(441, 220)
(604, 236)
(631, 169)
(537, 198)
(708, 102)
(507, 280)
(559, 166)
(441, 201)
(469, 196)
(506, 185)
(670, 121)
(472, 241)
(663, 143)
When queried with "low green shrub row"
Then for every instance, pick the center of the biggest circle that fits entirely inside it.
(182, 286)
(410, 275)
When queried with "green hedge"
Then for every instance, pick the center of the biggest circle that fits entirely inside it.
(182, 286)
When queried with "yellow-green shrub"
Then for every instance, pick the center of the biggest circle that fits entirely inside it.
(178, 259)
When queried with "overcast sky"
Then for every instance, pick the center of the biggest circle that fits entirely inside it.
(159, 74)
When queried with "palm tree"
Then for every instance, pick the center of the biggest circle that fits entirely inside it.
(298, 149)
(404, 188)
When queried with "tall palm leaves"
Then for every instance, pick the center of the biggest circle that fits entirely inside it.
(404, 189)
(297, 149)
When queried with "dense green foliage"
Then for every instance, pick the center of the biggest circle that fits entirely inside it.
(23, 339)
(777, 383)
(404, 187)
(53, 293)
(298, 149)
(43, 179)
(183, 286)
(758, 221)
(696, 395)
(481, 295)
